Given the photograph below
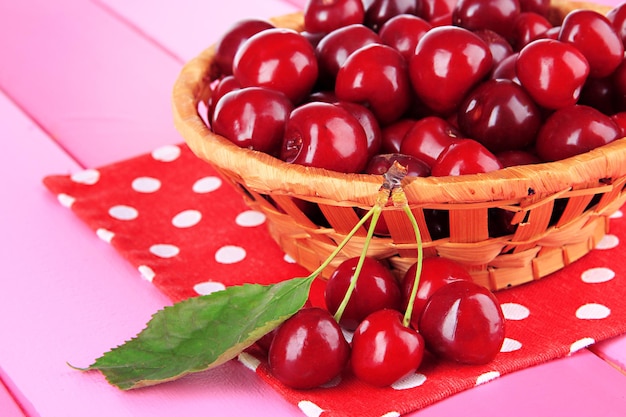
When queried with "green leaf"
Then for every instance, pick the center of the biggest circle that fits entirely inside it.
(201, 333)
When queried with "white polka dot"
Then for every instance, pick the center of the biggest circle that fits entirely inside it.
(249, 361)
(105, 235)
(187, 218)
(289, 259)
(87, 176)
(617, 215)
(411, 381)
(123, 212)
(250, 218)
(206, 185)
(510, 345)
(146, 272)
(146, 184)
(487, 376)
(597, 275)
(608, 242)
(230, 254)
(310, 409)
(581, 344)
(593, 311)
(391, 414)
(66, 200)
(208, 287)
(163, 250)
(167, 153)
(514, 311)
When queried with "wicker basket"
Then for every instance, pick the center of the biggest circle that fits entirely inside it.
(560, 210)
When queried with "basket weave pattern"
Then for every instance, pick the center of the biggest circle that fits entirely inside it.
(559, 210)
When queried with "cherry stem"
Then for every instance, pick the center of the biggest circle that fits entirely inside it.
(376, 211)
(399, 200)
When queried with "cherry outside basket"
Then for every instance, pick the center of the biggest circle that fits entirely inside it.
(559, 210)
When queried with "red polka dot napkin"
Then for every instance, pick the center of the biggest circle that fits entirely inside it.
(172, 217)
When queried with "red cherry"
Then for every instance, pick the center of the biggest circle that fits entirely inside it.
(448, 62)
(499, 47)
(537, 6)
(380, 11)
(496, 15)
(383, 350)
(428, 137)
(394, 133)
(308, 349)
(252, 117)
(500, 115)
(230, 42)
(376, 288)
(434, 10)
(506, 69)
(224, 85)
(574, 130)
(369, 123)
(517, 157)
(463, 322)
(552, 72)
(620, 119)
(324, 16)
(527, 27)
(376, 75)
(465, 156)
(436, 272)
(599, 93)
(280, 59)
(324, 135)
(594, 36)
(617, 17)
(403, 32)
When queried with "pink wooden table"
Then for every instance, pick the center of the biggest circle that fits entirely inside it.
(85, 83)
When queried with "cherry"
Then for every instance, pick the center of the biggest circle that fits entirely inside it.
(383, 350)
(463, 322)
(324, 135)
(517, 157)
(428, 137)
(465, 156)
(230, 42)
(448, 62)
(536, 6)
(369, 123)
(380, 11)
(436, 272)
(552, 72)
(617, 17)
(376, 75)
(324, 16)
(599, 93)
(574, 130)
(499, 47)
(506, 69)
(393, 134)
(594, 36)
(618, 81)
(308, 349)
(496, 15)
(434, 10)
(403, 32)
(527, 27)
(225, 85)
(500, 115)
(334, 48)
(376, 288)
(252, 117)
(281, 59)
(620, 119)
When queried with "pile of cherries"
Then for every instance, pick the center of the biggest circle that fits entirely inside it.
(453, 86)
(457, 320)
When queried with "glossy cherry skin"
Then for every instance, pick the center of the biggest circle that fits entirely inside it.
(506, 69)
(536, 6)
(324, 135)
(434, 10)
(448, 62)
(552, 72)
(500, 115)
(620, 119)
(594, 36)
(324, 16)
(370, 125)
(436, 272)
(383, 350)
(617, 17)
(224, 85)
(230, 42)
(376, 75)
(499, 47)
(308, 350)
(574, 130)
(380, 11)
(463, 322)
(428, 137)
(403, 32)
(376, 288)
(496, 15)
(253, 118)
(527, 27)
(281, 59)
(334, 48)
(465, 156)
(393, 134)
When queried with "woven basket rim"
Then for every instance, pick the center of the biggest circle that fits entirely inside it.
(260, 171)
